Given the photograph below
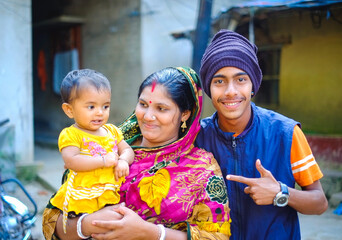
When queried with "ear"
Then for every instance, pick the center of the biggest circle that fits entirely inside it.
(67, 108)
(185, 115)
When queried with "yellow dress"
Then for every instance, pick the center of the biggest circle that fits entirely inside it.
(89, 191)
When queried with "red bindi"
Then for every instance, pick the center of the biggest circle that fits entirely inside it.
(150, 102)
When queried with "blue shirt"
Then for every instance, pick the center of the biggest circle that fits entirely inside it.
(268, 137)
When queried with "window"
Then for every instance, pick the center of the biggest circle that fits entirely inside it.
(269, 61)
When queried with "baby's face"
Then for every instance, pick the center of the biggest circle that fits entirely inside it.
(91, 108)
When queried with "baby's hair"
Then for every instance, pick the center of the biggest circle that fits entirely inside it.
(76, 80)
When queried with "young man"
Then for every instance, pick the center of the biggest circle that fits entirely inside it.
(262, 153)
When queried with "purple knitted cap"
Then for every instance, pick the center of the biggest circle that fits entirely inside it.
(230, 49)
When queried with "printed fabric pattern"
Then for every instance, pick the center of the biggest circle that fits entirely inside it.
(88, 191)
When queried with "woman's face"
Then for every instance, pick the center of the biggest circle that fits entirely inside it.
(159, 117)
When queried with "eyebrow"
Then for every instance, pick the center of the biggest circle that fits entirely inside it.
(157, 103)
(235, 75)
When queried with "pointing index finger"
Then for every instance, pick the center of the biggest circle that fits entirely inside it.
(240, 179)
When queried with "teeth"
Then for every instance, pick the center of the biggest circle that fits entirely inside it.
(231, 104)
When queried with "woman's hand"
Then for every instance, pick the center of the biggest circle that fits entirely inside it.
(131, 226)
(106, 214)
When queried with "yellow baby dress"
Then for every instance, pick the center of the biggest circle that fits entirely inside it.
(89, 191)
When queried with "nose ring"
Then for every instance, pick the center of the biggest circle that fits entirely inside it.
(153, 117)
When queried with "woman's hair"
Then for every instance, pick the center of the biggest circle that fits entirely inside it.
(77, 80)
(176, 84)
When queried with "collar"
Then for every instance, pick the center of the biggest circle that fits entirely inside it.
(231, 134)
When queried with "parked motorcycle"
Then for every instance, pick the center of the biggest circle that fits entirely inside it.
(16, 220)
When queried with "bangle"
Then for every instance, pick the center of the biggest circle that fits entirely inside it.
(79, 227)
(104, 161)
(162, 232)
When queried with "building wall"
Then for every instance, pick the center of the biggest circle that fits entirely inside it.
(310, 71)
(15, 75)
(110, 38)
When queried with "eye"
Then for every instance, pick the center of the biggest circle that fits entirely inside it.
(241, 79)
(142, 104)
(218, 81)
(91, 107)
(106, 107)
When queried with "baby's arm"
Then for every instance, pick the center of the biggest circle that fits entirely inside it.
(75, 161)
(126, 158)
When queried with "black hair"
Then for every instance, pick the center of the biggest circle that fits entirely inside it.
(176, 84)
(75, 80)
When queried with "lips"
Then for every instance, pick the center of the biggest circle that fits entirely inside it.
(96, 122)
(150, 126)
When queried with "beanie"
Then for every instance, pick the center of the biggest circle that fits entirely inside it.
(230, 49)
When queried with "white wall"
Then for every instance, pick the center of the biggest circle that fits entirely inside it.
(16, 74)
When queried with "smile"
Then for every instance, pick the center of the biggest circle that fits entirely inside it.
(231, 104)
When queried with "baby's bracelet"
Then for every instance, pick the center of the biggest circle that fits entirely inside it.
(123, 160)
(162, 232)
(79, 227)
(104, 161)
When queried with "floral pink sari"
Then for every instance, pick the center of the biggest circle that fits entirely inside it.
(178, 185)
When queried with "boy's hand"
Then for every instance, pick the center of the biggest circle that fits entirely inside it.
(121, 169)
(111, 159)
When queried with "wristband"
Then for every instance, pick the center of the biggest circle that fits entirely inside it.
(79, 227)
(162, 232)
(104, 161)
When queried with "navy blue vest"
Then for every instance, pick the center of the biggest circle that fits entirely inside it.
(268, 138)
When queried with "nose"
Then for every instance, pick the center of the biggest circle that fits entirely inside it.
(149, 115)
(99, 111)
(231, 89)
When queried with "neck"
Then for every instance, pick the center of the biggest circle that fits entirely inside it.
(146, 143)
(236, 125)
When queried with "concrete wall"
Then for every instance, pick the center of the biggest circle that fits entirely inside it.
(15, 74)
(310, 71)
(110, 41)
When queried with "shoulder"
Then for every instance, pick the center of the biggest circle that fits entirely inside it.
(207, 125)
(114, 130)
(271, 119)
(207, 122)
(208, 160)
(206, 132)
(69, 131)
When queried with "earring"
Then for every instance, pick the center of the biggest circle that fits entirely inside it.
(153, 117)
(183, 126)
(252, 93)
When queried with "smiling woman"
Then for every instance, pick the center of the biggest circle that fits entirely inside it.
(158, 113)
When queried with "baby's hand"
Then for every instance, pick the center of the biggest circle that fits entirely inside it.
(111, 159)
(121, 169)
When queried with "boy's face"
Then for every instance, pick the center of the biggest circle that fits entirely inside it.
(90, 109)
(231, 90)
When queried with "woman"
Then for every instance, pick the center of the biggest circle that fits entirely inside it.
(171, 183)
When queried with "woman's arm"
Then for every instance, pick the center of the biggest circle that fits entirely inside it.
(132, 226)
(107, 214)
